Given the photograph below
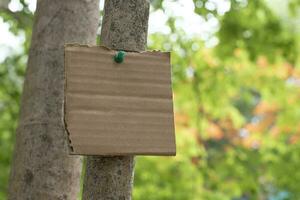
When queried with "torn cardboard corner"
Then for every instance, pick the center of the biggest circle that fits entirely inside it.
(118, 108)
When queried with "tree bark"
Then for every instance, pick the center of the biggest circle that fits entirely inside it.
(4, 4)
(125, 26)
(42, 167)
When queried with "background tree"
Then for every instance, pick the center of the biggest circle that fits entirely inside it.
(42, 168)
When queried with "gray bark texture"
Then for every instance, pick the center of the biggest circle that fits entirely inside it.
(42, 168)
(125, 27)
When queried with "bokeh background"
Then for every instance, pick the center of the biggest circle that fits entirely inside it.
(236, 81)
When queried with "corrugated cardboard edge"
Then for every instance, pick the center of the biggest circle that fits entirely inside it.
(71, 149)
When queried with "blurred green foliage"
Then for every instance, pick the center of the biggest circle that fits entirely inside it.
(12, 71)
(237, 108)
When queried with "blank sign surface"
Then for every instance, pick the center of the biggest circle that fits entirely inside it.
(118, 108)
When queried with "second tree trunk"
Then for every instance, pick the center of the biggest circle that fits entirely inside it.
(125, 26)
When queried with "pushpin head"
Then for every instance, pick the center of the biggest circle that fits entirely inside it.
(119, 57)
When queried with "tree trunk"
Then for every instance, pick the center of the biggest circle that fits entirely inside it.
(42, 168)
(125, 26)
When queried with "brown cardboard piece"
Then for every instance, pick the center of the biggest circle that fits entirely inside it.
(118, 109)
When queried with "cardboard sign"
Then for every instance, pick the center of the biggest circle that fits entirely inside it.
(118, 108)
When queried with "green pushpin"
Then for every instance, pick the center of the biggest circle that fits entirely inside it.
(119, 57)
